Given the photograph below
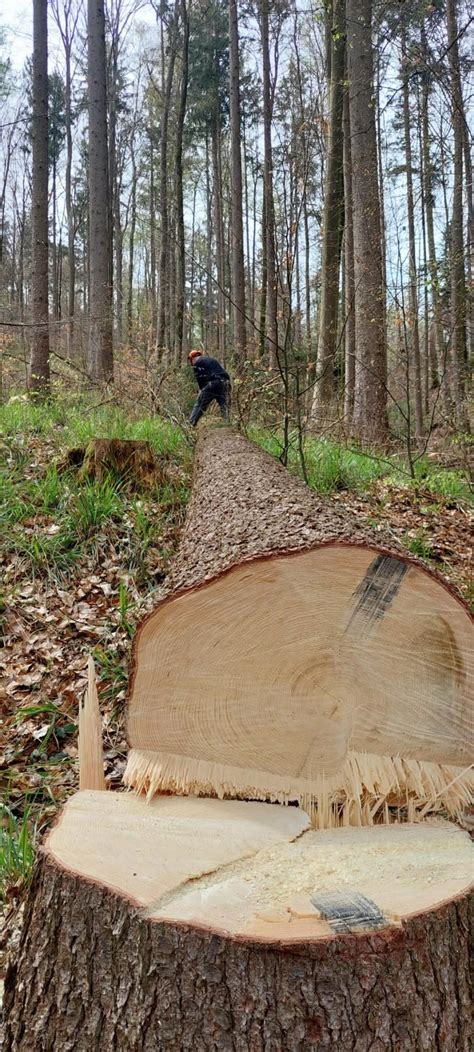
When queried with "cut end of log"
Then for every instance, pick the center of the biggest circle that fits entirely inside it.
(370, 789)
(339, 678)
(91, 757)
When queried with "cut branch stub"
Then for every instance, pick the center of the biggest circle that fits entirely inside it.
(338, 676)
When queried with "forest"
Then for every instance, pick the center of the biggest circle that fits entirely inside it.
(286, 186)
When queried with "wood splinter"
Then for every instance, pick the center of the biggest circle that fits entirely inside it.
(91, 756)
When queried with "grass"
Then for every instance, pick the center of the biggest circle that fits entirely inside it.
(17, 848)
(331, 466)
(419, 545)
(69, 423)
(49, 518)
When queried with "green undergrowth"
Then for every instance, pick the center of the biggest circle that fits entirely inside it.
(69, 423)
(18, 838)
(50, 519)
(331, 466)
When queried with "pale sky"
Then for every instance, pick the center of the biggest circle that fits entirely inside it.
(16, 18)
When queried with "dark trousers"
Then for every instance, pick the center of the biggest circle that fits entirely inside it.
(215, 391)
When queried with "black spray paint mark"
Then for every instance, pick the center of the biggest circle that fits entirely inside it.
(348, 911)
(377, 590)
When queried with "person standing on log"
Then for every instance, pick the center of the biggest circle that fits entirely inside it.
(214, 385)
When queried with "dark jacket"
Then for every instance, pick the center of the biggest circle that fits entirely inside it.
(208, 369)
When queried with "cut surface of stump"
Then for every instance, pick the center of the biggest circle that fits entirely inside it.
(145, 851)
(255, 870)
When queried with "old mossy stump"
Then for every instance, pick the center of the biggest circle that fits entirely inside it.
(130, 460)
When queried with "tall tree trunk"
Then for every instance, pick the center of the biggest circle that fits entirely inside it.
(54, 252)
(237, 253)
(190, 326)
(219, 228)
(253, 279)
(325, 391)
(370, 409)
(163, 315)
(152, 203)
(428, 358)
(349, 314)
(439, 373)
(118, 237)
(264, 277)
(458, 285)
(115, 180)
(69, 201)
(271, 295)
(39, 361)
(413, 323)
(378, 105)
(470, 237)
(181, 256)
(131, 247)
(100, 304)
(250, 291)
(210, 340)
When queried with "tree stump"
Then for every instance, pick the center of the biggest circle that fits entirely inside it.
(289, 660)
(189, 925)
(133, 461)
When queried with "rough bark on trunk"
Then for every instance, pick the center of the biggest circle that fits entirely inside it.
(271, 293)
(131, 245)
(438, 370)
(219, 229)
(100, 301)
(237, 253)
(349, 320)
(370, 412)
(94, 971)
(152, 205)
(180, 239)
(39, 362)
(68, 194)
(325, 390)
(163, 314)
(458, 279)
(414, 332)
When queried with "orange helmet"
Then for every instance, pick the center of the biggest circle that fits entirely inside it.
(193, 355)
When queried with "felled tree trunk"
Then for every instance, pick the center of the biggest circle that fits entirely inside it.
(319, 664)
(281, 665)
